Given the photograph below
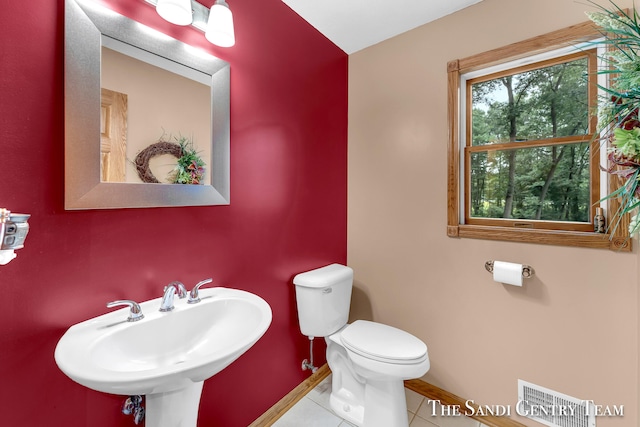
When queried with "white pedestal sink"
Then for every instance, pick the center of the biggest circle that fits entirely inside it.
(165, 356)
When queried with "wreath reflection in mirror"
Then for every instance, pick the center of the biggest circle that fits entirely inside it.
(189, 168)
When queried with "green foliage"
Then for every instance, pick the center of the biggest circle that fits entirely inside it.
(567, 194)
(622, 35)
(618, 111)
(546, 182)
(627, 142)
(190, 167)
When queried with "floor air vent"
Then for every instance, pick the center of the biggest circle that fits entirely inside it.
(552, 408)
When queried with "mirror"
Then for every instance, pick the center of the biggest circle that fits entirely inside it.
(143, 103)
(88, 29)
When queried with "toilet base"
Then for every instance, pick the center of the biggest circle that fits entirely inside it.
(342, 404)
(385, 403)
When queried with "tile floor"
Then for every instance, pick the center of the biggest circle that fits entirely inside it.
(313, 411)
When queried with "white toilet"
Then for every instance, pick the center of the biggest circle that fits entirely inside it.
(368, 360)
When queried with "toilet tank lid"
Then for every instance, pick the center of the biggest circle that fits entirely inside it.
(324, 276)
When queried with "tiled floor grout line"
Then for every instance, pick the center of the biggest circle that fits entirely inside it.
(415, 414)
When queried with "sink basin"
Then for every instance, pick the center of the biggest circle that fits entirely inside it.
(163, 352)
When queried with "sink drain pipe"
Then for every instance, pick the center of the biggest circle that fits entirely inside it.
(133, 406)
(308, 364)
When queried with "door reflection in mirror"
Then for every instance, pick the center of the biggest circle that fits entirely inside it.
(113, 136)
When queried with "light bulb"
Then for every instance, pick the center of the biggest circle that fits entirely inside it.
(220, 25)
(175, 11)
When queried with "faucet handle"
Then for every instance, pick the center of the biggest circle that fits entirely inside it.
(135, 312)
(193, 295)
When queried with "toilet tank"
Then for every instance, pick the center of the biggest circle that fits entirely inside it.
(323, 298)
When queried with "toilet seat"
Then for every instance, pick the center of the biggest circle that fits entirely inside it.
(383, 343)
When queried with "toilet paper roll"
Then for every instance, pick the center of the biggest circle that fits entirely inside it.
(507, 272)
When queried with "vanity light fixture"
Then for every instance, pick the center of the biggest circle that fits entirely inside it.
(216, 23)
(175, 11)
(220, 25)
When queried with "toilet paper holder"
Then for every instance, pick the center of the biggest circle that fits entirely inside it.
(527, 270)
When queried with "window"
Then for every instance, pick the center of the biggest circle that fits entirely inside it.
(527, 151)
(523, 163)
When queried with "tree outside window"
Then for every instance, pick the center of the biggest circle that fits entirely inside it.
(527, 143)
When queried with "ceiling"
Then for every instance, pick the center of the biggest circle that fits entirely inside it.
(353, 25)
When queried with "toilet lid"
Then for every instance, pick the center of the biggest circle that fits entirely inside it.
(378, 341)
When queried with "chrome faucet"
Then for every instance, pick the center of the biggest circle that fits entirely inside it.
(169, 291)
(135, 312)
(193, 295)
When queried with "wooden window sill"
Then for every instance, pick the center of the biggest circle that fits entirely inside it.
(545, 237)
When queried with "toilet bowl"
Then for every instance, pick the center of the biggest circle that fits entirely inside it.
(372, 360)
(369, 361)
(379, 351)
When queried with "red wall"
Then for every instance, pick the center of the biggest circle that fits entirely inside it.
(287, 212)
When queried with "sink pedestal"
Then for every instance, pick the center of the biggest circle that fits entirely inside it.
(177, 408)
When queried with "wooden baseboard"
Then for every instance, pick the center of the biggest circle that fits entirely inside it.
(435, 393)
(284, 404)
(421, 387)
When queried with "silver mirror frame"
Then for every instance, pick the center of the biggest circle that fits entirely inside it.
(85, 24)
